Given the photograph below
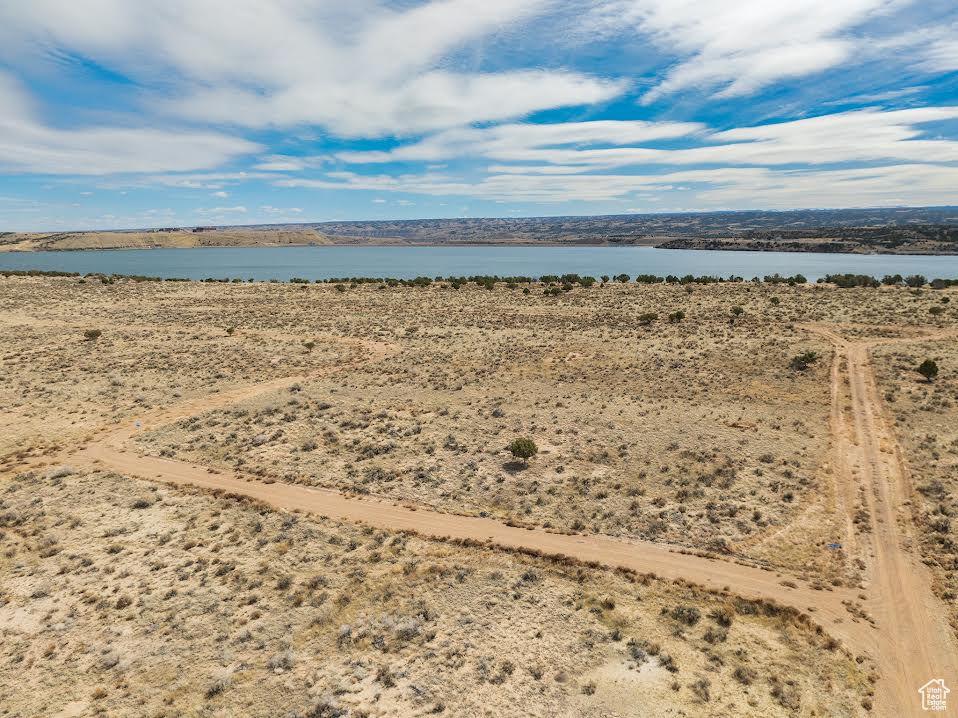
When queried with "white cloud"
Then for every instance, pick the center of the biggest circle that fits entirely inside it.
(937, 48)
(270, 210)
(524, 141)
(358, 69)
(288, 163)
(857, 136)
(931, 48)
(415, 69)
(566, 148)
(876, 97)
(187, 180)
(27, 145)
(430, 101)
(717, 188)
(731, 168)
(912, 184)
(942, 55)
(239, 209)
(740, 47)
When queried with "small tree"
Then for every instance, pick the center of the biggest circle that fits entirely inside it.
(676, 316)
(309, 345)
(737, 311)
(230, 331)
(524, 449)
(928, 369)
(92, 335)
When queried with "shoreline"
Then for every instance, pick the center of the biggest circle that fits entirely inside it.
(489, 244)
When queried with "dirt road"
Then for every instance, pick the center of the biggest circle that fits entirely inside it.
(916, 642)
(911, 644)
(644, 557)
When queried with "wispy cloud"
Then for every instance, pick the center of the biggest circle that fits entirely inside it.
(855, 136)
(342, 107)
(735, 49)
(718, 188)
(29, 145)
(239, 209)
(357, 69)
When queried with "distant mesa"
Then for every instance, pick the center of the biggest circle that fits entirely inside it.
(896, 230)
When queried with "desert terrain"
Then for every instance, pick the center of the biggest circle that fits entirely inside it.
(159, 239)
(265, 498)
(899, 230)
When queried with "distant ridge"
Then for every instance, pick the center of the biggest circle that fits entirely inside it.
(896, 230)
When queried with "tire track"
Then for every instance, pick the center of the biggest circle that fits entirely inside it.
(913, 642)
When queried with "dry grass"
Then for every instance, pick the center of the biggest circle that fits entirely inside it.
(696, 432)
(926, 420)
(234, 609)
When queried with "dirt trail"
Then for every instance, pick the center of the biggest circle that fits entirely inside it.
(110, 450)
(645, 557)
(912, 644)
(915, 641)
(918, 643)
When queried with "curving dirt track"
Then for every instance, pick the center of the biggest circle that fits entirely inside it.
(911, 644)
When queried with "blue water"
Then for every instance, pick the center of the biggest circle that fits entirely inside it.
(283, 263)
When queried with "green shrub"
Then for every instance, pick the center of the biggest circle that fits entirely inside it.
(523, 448)
(846, 281)
(928, 369)
(801, 362)
(689, 615)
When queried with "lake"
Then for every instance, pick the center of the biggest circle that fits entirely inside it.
(283, 263)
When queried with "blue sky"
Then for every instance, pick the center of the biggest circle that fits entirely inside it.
(143, 113)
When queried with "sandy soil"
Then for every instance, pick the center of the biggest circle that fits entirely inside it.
(123, 597)
(873, 594)
(925, 418)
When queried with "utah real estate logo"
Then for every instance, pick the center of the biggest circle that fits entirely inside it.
(934, 695)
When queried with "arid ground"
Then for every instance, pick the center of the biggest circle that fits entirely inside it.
(272, 499)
